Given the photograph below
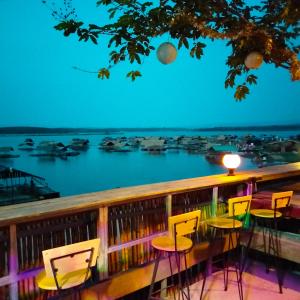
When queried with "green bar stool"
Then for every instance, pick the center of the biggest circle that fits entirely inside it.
(178, 244)
(269, 218)
(231, 225)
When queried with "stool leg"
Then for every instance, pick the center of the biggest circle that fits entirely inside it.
(276, 257)
(212, 237)
(226, 266)
(274, 245)
(187, 276)
(266, 251)
(177, 257)
(244, 259)
(240, 283)
(45, 295)
(238, 263)
(204, 278)
(172, 278)
(154, 274)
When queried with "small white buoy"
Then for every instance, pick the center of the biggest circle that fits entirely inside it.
(166, 53)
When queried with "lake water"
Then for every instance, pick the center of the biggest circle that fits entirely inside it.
(96, 170)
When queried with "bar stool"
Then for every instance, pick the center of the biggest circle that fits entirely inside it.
(68, 267)
(269, 218)
(238, 208)
(176, 243)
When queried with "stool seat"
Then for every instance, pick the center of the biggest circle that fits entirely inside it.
(66, 281)
(224, 223)
(265, 213)
(166, 243)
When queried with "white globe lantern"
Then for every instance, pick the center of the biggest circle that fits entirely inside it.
(231, 162)
(253, 60)
(166, 53)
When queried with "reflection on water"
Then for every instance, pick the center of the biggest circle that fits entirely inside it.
(95, 170)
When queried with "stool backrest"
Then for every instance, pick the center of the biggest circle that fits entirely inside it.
(69, 258)
(184, 224)
(281, 199)
(239, 205)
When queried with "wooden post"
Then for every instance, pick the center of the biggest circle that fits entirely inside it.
(13, 263)
(214, 203)
(214, 208)
(169, 205)
(240, 190)
(102, 233)
(163, 284)
(250, 188)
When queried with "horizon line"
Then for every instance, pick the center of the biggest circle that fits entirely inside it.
(276, 126)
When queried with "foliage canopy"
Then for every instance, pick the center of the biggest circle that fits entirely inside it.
(270, 27)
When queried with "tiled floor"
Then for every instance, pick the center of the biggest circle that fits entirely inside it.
(257, 285)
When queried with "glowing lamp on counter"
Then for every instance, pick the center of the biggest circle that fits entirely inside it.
(231, 162)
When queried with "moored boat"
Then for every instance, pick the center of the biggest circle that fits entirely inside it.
(7, 152)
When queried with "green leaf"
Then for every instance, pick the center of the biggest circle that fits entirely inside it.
(251, 79)
(133, 75)
(103, 73)
(103, 2)
(199, 52)
(94, 40)
(186, 43)
(241, 92)
(180, 44)
(137, 58)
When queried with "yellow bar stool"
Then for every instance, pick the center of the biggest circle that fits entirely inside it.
(231, 225)
(178, 244)
(68, 267)
(269, 219)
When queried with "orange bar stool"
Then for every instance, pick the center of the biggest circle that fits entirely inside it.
(68, 267)
(178, 244)
(269, 219)
(231, 225)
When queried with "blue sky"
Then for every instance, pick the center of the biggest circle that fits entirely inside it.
(39, 87)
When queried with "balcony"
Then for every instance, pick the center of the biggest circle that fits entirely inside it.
(125, 220)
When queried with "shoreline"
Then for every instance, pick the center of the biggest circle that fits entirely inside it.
(36, 131)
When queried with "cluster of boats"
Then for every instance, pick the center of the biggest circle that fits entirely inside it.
(47, 148)
(263, 150)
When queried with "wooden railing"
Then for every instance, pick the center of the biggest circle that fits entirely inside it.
(124, 219)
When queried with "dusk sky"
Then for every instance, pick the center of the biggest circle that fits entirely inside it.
(39, 87)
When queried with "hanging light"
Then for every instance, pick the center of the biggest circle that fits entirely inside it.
(231, 162)
(166, 53)
(253, 60)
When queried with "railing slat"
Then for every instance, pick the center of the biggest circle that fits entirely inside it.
(102, 233)
(13, 262)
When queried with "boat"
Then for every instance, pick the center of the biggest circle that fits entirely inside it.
(216, 157)
(216, 152)
(79, 144)
(27, 145)
(53, 149)
(7, 152)
(18, 186)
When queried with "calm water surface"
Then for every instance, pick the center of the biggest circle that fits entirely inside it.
(96, 170)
